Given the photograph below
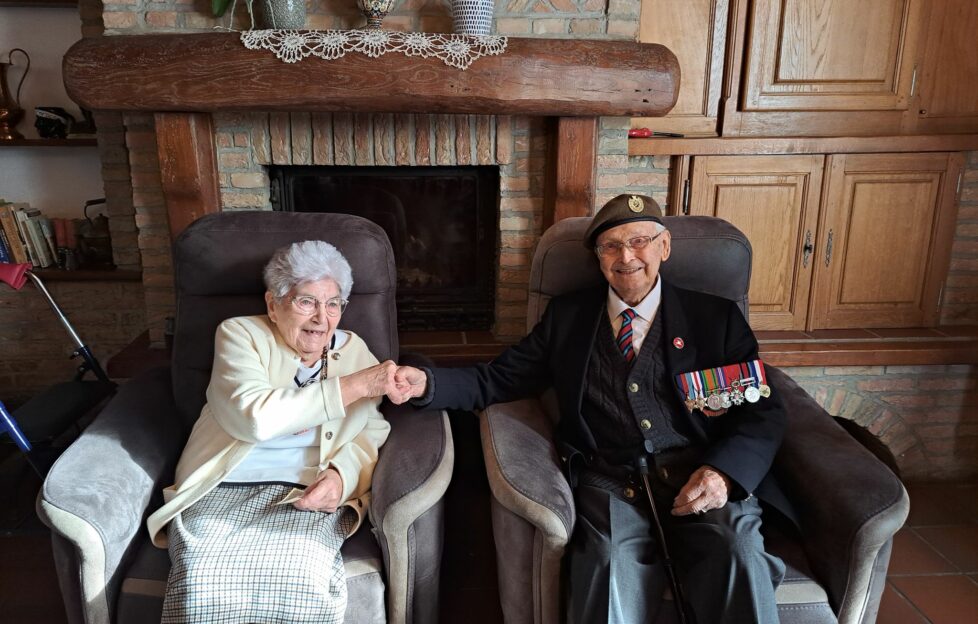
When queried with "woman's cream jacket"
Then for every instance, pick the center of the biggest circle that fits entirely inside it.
(252, 397)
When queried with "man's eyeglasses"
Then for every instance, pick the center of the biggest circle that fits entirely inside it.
(304, 304)
(613, 248)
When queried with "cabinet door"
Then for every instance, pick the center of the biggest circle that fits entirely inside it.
(885, 239)
(948, 84)
(774, 201)
(696, 32)
(830, 55)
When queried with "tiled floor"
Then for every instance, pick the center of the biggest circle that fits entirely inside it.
(933, 572)
(933, 575)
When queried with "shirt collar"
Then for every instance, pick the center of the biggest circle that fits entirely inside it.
(645, 309)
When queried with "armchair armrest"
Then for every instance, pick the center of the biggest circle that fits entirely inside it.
(97, 493)
(848, 502)
(523, 468)
(409, 482)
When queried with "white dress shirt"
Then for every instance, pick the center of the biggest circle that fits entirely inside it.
(644, 313)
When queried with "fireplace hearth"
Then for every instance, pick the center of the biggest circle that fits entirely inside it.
(442, 223)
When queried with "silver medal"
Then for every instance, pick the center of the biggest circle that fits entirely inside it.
(752, 394)
(714, 402)
(725, 401)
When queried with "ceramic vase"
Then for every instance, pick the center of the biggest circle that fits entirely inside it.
(375, 11)
(472, 17)
(280, 14)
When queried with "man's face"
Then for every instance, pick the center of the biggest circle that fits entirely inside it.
(632, 272)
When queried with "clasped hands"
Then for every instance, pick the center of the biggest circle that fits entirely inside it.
(397, 383)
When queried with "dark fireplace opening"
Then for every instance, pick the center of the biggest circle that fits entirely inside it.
(442, 224)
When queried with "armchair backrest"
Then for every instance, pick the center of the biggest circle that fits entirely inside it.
(217, 265)
(708, 255)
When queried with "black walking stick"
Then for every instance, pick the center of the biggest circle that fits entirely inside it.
(642, 463)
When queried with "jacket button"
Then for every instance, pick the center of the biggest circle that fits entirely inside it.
(629, 493)
(329, 435)
(633, 387)
(645, 424)
(664, 474)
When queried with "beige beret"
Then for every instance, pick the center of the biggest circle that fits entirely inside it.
(620, 210)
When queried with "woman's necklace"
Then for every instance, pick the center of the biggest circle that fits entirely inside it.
(325, 367)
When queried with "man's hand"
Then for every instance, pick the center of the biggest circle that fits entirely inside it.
(409, 383)
(324, 494)
(706, 489)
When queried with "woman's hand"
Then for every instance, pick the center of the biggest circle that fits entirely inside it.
(375, 381)
(324, 494)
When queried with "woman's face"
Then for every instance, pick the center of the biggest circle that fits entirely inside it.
(308, 334)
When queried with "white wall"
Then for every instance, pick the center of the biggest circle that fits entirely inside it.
(57, 180)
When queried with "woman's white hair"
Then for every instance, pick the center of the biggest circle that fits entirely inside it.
(308, 261)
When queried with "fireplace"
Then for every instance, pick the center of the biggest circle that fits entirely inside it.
(442, 223)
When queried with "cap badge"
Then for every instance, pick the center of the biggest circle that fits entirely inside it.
(678, 342)
(635, 204)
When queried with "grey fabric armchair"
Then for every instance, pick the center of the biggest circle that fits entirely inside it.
(849, 503)
(98, 494)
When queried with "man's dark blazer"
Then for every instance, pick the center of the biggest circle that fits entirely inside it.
(741, 443)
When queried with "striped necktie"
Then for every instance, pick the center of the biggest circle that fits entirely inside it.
(624, 338)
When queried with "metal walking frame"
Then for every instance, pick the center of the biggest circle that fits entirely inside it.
(48, 415)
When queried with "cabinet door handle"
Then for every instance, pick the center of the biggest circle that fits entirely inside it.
(828, 249)
(807, 249)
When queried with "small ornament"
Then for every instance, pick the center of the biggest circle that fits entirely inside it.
(635, 204)
(678, 342)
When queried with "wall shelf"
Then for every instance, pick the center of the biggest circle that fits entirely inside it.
(47, 142)
(41, 4)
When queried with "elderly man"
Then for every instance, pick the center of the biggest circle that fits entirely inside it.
(644, 369)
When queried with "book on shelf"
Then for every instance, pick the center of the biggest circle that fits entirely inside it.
(4, 247)
(8, 224)
(25, 234)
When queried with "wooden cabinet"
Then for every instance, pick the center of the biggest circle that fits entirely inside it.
(774, 200)
(884, 239)
(818, 67)
(828, 55)
(948, 84)
(868, 248)
(696, 32)
(823, 68)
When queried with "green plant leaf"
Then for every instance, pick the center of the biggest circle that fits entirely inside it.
(218, 7)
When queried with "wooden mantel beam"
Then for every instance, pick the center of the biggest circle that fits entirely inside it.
(214, 72)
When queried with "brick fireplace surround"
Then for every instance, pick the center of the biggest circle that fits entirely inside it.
(926, 415)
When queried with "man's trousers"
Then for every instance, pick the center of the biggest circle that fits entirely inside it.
(615, 572)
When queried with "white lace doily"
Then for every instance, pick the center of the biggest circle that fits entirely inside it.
(294, 45)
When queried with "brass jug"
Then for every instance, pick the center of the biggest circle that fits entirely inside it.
(10, 110)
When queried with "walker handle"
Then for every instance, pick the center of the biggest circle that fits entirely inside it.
(14, 275)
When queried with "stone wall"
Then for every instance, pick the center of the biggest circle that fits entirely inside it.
(926, 415)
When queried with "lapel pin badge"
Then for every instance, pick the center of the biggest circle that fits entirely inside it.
(678, 342)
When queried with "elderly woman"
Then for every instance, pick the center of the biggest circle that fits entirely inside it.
(276, 473)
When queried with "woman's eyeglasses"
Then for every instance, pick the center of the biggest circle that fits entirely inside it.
(304, 304)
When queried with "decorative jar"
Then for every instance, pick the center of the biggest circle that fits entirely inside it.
(472, 17)
(375, 11)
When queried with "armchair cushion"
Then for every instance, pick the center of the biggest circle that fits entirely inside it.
(97, 493)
